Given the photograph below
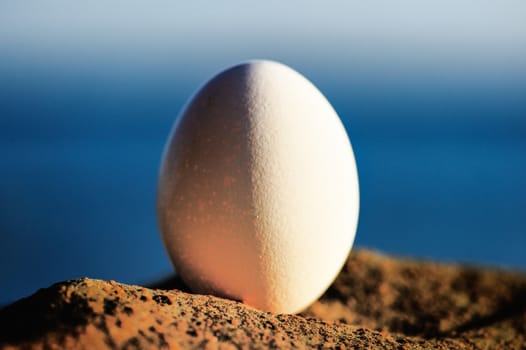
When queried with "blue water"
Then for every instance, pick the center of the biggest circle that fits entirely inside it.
(442, 166)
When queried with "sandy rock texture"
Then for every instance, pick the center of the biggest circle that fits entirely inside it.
(376, 302)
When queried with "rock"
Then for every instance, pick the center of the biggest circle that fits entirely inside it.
(376, 302)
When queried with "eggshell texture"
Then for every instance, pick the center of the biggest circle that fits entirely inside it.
(258, 191)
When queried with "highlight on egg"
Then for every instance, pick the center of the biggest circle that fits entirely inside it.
(258, 195)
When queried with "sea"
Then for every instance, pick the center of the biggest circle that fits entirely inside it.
(441, 160)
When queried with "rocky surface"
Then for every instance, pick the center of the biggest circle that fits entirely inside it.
(376, 302)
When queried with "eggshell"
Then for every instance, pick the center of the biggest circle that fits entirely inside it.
(258, 191)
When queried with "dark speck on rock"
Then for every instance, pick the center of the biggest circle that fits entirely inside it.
(162, 299)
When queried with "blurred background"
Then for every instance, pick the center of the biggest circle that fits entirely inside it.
(432, 94)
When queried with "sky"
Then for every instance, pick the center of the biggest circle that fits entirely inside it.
(447, 32)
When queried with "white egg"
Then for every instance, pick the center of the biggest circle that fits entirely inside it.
(258, 192)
